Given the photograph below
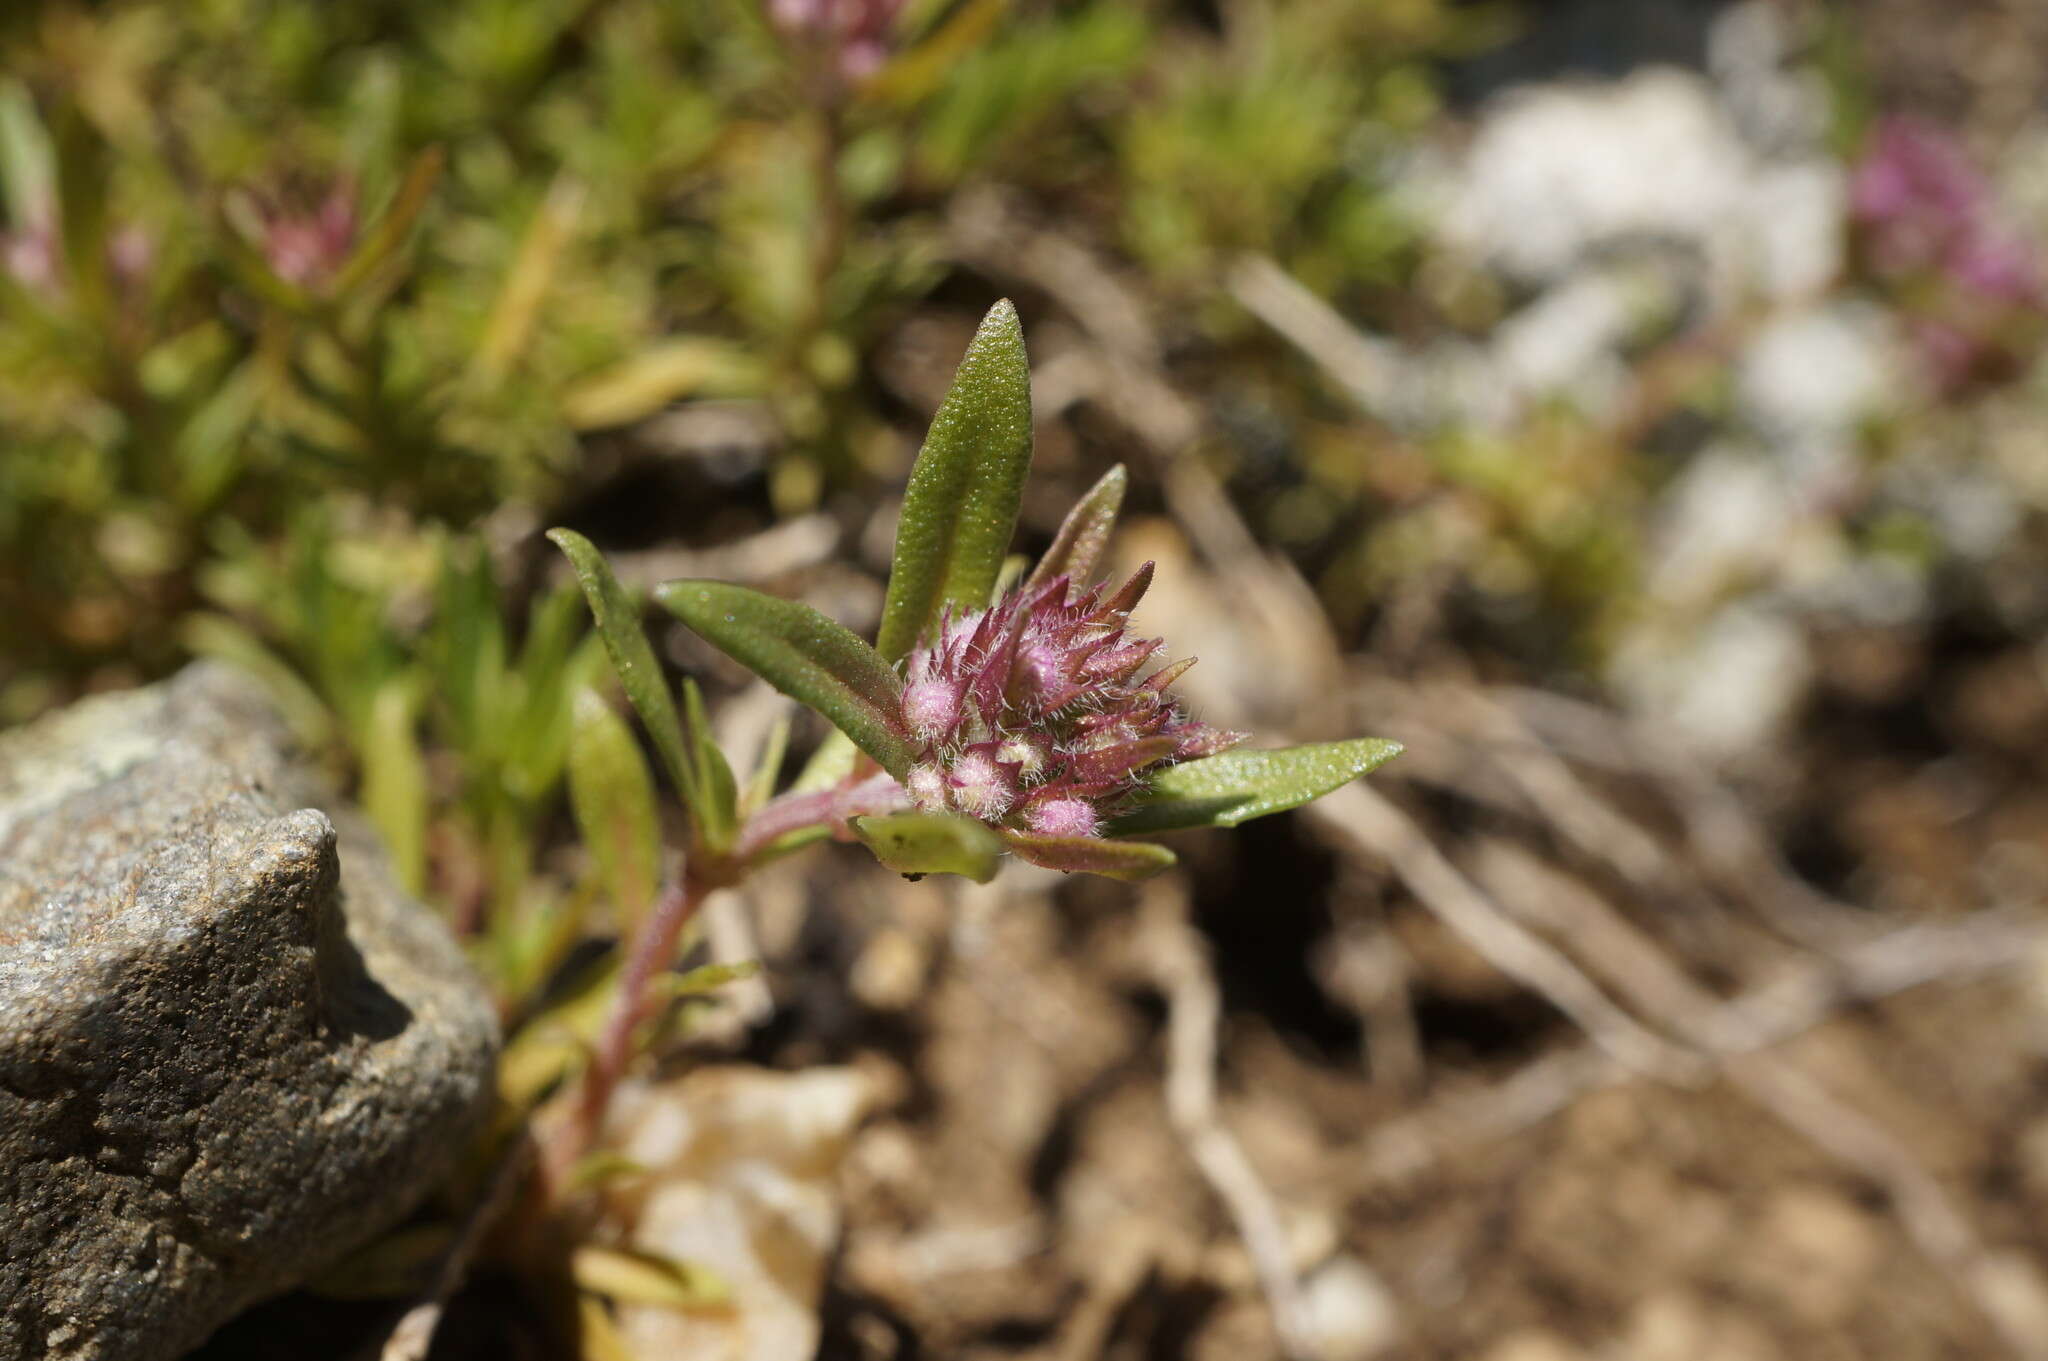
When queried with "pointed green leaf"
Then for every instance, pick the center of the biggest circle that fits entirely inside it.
(618, 623)
(806, 656)
(1222, 791)
(932, 843)
(767, 767)
(1127, 860)
(961, 506)
(1085, 532)
(611, 793)
(718, 817)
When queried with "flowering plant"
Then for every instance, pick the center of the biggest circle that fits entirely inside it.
(985, 720)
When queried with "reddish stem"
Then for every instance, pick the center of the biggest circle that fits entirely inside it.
(829, 807)
(653, 947)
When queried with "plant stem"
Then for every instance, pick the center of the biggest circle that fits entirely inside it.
(827, 807)
(653, 947)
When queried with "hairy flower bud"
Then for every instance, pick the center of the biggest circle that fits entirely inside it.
(1032, 713)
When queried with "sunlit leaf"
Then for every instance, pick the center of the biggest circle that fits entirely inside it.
(611, 793)
(1078, 546)
(1222, 791)
(806, 656)
(618, 623)
(604, 1166)
(1129, 860)
(932, 843)
(635, 1277)
(597, 1337)
(637, 387)
(961, 506)
(394, 791)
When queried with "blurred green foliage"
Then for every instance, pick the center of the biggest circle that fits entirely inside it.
(297, 298)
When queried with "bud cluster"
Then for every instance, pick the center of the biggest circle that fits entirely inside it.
(1032, 713)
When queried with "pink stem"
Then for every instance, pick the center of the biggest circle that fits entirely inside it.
(829, 807)
(654, 945)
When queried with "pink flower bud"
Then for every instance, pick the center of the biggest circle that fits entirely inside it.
(1062, 817)
(981, 787)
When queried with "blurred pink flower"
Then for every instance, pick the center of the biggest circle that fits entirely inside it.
(308, 247)
(1929, 222)
(856, 32)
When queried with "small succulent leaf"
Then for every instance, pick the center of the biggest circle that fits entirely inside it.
(618, 623)
(640, 1277)
(1126, 860)
(806, 656)
(960, 508)
(932, 843)
(1222, 791)
(611, 793)
(718, 819)
(1083, 535)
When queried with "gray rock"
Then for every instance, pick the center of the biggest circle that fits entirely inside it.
(230, 1048)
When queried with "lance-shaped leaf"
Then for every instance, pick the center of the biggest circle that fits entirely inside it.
(1127, 860)
(804, 655)
(1222, 791)
(961, 506)
(612, 796)
(932, 843)
(618, 624)
(1083, 534)
(718, 817)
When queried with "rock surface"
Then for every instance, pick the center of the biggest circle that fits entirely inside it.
(230, 1047)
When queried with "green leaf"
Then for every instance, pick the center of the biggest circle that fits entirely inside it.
(767, 767)
(618, 623)
(706, 978)
(383, 239)
(718, 817)
(1222, 791)
(1127, 860)
(1084, 533)
(961, 506)
(632, 1276)
(806, 656)
(395, 779)
(932, 843)
(611, 792)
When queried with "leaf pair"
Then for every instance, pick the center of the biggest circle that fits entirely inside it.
(700, 771)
